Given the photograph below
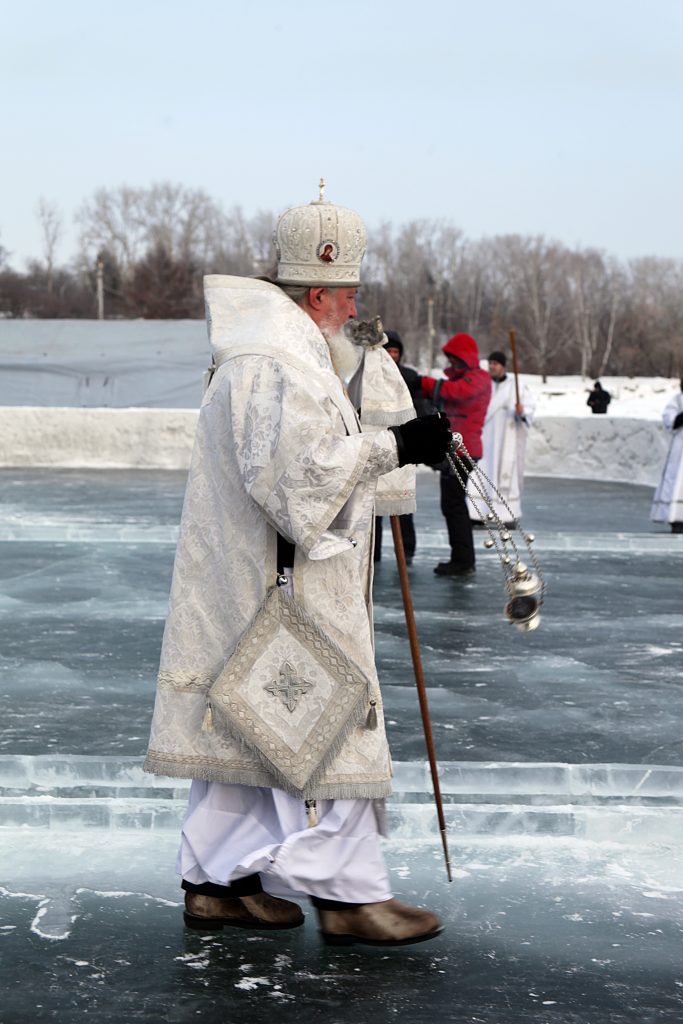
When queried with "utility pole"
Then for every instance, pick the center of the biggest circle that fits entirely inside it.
(100, 288)
(430, 333)
(431, 285)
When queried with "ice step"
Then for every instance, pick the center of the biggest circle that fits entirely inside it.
(87, 776)
(431, 541)
(633, 804)
(413, 822)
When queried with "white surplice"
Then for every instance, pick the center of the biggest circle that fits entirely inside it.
(504, 439)
(667, 505)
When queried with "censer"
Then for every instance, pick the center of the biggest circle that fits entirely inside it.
(525, 587)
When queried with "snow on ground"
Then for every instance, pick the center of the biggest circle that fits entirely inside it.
(633, 397)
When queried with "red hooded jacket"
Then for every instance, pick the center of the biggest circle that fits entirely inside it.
(465, 394)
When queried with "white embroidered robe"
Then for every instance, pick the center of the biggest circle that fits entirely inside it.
(504, 442)
(667, 505)
(278, 449)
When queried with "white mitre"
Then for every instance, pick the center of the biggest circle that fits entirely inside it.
(320, 245)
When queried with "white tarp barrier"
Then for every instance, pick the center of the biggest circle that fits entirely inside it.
(96, 363)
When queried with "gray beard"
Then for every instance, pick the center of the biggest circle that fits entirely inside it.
(346, 357)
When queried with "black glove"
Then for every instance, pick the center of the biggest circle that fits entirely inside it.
(678, 422)
(425, 439)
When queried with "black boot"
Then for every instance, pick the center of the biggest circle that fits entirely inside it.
(454, 569)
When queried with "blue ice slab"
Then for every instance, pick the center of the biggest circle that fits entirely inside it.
(631, 804)
(85, 569)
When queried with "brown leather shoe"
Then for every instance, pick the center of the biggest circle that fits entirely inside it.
(378, 924)
(212, 913)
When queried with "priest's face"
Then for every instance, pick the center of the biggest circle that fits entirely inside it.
(337, 306)
(496, 369)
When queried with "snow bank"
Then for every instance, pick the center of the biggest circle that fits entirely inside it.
(582, 447)
(597, 448)
(123, 394)
(96, 438)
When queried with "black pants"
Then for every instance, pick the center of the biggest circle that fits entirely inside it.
(454, 509)
(407, 532)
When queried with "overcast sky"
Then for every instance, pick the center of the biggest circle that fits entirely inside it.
(554, 117)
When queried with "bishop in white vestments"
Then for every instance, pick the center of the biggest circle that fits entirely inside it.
(268, 697)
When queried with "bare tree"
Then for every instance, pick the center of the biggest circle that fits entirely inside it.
(408, 280)
(531, 290)
(187, 225)
(593, 287)
(50, 221)
(470, 285)
(186, 222)
(617, 287)
(234, 248)
(260, 229)
(654, 324)
(163, 287)
(113, 220)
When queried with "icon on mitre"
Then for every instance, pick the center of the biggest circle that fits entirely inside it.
(327, 252)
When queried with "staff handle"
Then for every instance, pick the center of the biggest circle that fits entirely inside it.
(420, 682)
(515, 365)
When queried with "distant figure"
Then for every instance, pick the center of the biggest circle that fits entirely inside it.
(506, 428)
(667, 505)
(394, 347)
(598, 398)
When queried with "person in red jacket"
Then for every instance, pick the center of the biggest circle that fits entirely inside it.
(464, 397)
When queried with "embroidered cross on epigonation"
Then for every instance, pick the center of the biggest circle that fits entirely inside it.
(290, 688)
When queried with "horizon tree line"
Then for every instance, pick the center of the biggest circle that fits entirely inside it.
(574, 310)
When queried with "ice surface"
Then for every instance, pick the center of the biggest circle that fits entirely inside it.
(560, 756)
(83, 608)
(559, 930)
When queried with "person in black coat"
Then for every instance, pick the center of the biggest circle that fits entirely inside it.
(394, 346)
(423, 407)
(598, 398)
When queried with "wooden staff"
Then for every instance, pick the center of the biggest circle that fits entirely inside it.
(515, 367)
(419, 679)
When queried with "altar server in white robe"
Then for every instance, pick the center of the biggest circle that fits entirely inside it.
(504, 438)
(667, 506)
(256, 680)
